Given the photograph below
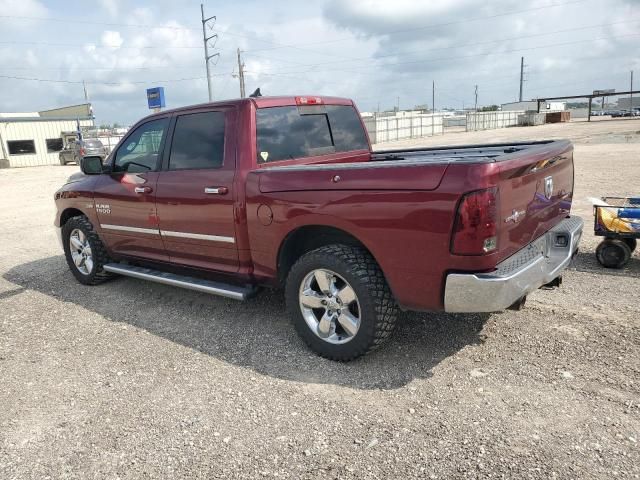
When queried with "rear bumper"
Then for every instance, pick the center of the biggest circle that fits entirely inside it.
(537, 264)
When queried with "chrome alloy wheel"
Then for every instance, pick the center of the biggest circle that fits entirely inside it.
(81, 251)
(330, 306)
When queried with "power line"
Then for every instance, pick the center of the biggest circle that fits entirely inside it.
(434, 25)
(473, 44)
(77, 21)
(484, 54)
(132, 82)
(94, 45)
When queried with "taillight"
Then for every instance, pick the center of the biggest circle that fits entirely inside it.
(82, 151)
(475, 231)
(309, 101)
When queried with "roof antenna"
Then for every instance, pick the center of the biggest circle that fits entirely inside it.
(256, 94)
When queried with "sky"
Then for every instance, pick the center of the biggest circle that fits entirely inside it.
(381, 53)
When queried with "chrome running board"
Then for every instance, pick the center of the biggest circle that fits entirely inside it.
(199, 285)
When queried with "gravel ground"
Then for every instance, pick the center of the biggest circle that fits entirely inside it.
(137, 380)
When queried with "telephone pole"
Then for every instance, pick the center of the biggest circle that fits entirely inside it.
(241, 75)
(433, 107)
(631, 94)
(206, 40)
(521, 77)
(476, 98)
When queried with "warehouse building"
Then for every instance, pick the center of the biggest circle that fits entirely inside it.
(532, 105)
(36, 138)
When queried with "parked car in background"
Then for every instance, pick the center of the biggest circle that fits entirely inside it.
(74, 151)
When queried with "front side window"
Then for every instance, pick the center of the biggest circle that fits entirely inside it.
(21, 147)
(141, 149)
(297, 132)
(198, 141)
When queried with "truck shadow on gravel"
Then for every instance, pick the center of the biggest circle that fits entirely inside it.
(256, 334)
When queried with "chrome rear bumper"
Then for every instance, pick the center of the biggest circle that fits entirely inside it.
(537, 264)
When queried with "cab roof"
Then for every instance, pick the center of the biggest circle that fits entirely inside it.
(259, 102)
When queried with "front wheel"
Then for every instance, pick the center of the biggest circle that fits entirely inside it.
(339, 302)
(84, 251)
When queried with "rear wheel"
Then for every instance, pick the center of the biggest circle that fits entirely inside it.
(613, 253)
(84, 251)
(339, 302)
(62, 162)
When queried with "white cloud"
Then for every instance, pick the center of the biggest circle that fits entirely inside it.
(371, 50)
(111, 6)
(112, 39)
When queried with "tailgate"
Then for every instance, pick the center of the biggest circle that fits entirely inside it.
(536, 190)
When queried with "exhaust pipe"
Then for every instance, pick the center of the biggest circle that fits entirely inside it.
(555, 283)
(518, 304)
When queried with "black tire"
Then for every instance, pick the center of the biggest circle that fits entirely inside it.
(62, 162)
(631, 243)
(99, 253)
(377, 307)
(613, 253)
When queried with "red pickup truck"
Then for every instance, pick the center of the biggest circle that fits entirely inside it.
(232, 196)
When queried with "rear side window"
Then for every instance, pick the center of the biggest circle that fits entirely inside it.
(93, 143)
(297, 132)
(198, 141)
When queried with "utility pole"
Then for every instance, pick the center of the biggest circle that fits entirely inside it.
(398, 105)
(86, 95)
(521, 77)
(241, 75)
(433, 107)
(631, 94)
(206, 39)
(476, 98)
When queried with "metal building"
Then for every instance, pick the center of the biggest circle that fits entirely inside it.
(36, 138)
(532, 105)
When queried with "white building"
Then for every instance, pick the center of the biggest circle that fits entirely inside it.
(532, 105)
(35, 138)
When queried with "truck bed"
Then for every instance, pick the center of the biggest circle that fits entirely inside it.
(494, 152)
(402, 205)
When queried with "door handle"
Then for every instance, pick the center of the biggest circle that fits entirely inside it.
(216, 190)
(143, 189)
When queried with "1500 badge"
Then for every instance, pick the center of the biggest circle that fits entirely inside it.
(515, 217)
(103, 208)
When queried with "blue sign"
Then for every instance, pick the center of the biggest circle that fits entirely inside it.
(155, 97)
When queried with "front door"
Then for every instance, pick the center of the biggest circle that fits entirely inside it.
(194, 194)
(125, 199)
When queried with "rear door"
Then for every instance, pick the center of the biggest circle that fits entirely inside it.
(125, 199)
(195, 191)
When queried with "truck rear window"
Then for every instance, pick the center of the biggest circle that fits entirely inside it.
(297, 132)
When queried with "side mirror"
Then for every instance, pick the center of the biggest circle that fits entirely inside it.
(91, 165)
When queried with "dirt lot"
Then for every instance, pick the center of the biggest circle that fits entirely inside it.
(132, 379)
